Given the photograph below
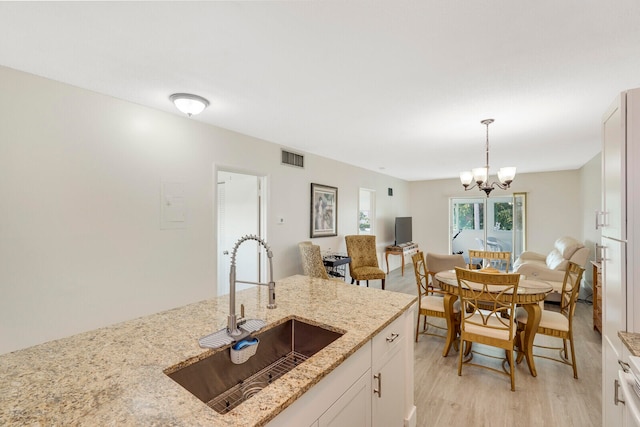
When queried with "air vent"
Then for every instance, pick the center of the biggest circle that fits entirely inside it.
(293, 159)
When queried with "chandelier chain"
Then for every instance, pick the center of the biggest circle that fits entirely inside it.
(505, 175)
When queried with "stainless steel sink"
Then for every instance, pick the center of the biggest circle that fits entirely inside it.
(223, 385)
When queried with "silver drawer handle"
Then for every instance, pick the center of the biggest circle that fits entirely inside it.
(393, 337)
(616, 386)
(378, 391)
(625, 366)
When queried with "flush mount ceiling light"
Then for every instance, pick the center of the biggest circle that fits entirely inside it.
(481, 175)
(188, 103)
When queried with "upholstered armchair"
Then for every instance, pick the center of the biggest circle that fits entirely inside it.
(364, 259)
(551, 267)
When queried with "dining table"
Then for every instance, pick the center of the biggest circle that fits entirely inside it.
(529, 295)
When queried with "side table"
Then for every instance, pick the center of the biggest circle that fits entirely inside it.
(336, 265)
(407, 249)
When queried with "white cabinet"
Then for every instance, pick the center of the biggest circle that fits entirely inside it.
(388, 365)
(620, 231)
(372, 387)
(612, 411)
(353, 408)
(333, 389)
(388, 392)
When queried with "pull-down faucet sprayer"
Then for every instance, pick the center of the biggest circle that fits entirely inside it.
(232, 320)
(238, 328)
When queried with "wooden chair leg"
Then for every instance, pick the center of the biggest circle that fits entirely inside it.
(383, 284)
(512, 371)
(418, 326)
(467, 348)
(352, 280)
(460, 359)
(573, 358)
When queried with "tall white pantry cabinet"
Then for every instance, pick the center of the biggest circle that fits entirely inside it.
(619, 223)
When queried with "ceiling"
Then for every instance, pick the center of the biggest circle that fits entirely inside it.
(397, 87)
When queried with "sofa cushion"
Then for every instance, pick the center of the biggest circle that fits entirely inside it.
(555, 261)
(567, 246)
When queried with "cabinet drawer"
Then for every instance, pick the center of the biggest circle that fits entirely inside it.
(387, 341)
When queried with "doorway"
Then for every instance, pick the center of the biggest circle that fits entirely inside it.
(492, 224)
(241, 207)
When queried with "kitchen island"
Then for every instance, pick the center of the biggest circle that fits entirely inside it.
(115, 375)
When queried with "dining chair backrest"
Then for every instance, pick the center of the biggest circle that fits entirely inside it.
(487, 296)
(570, 289)
(493, 258)
(422, 275)
(442, 262)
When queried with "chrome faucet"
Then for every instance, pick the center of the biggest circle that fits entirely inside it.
(232, 320)
(233, 332)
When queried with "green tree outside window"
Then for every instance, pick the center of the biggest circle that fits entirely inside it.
(503, 216)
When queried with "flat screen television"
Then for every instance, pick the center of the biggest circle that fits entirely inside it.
(403, 230)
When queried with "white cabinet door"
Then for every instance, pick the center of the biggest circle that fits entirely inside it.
(388, 390)
(612, 413)
(613, 231)
(614, 169)
(388, 355)
(313, 404)
(353, 408)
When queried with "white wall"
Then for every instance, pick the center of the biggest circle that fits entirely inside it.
(80, 239)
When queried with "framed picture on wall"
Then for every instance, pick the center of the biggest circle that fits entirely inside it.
(324, 211)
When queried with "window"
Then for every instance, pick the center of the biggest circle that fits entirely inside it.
(503, 216)
(468, 215)
(366, 211)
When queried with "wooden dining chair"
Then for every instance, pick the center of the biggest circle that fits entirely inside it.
(557, 324)
(493, 258)
(431, 303)
(488, 316)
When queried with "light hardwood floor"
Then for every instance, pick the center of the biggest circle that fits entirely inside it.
(483, 398)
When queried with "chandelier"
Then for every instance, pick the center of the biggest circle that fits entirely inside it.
(480, 176)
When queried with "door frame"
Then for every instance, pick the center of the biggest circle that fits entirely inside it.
(518, 233)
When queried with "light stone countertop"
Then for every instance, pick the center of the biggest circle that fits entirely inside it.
(114, 375)
(632, 341)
